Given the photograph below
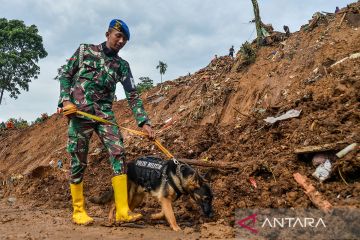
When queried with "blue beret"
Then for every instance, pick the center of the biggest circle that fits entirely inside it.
(120, 26)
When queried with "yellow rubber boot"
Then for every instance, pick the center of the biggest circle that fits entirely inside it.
(123, 213)
(79, 215)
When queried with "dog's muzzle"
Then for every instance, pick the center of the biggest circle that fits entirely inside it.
(207, 209)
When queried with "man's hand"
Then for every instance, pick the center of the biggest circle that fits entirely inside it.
(69, 109)
(149, 131)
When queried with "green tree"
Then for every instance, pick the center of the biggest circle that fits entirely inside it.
(145, 84)
(21, 47)
(19, 123)
(162, 67)
(60, 71)
(257, 21)
(248, 53)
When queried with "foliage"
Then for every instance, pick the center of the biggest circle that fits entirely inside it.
(42, 118)
(248, 53)
(162, 67)
(21, 47)
(145, 84)
(19, 123)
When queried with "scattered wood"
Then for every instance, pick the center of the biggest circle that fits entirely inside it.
(352, 56)
(316, 198)
(320, 148)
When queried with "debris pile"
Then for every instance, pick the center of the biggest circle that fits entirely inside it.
(216, 117)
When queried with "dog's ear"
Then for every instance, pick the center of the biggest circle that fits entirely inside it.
(194, 180)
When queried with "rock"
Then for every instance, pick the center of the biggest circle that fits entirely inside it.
(291, 196)
(11, 200)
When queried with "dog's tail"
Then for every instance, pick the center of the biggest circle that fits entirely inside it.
(105, 197)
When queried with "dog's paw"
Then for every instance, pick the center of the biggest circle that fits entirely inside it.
(176, 228)
(157, 216)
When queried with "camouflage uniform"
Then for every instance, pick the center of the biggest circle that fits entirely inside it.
(89, 82)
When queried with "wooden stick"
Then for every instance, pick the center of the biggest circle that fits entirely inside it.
(342, 19)
(240, 112)
(342, 177)
(315, 197)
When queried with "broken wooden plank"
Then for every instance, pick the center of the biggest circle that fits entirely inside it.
(320, 148)
(316, 198)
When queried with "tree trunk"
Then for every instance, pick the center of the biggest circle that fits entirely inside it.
(257, 21)
(160, 78)
(1, 95)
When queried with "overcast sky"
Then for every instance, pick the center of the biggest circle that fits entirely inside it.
(184, 34)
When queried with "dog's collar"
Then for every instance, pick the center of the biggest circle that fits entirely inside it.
(177, 187)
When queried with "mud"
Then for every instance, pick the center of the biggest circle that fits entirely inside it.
(217, 116)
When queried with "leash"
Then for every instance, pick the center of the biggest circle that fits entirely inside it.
(139, 133)
(178, 188)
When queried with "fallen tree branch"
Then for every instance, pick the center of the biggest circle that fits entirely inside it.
(315, 197)
(342, 19)
(213, 164)
(320, 148)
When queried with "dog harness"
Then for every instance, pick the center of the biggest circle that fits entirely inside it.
(150, 170)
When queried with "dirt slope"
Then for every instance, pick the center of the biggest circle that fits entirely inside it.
(217, 114)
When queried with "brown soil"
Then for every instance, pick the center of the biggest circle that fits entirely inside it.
(217, 115)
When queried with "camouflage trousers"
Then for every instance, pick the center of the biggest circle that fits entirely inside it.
(79, 133)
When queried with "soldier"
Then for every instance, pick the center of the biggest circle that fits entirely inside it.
(231, 52)
(287, 31)
(88, 84)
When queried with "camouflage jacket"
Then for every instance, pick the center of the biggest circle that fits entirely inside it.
(91, 86)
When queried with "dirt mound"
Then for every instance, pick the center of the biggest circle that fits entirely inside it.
(216, 115)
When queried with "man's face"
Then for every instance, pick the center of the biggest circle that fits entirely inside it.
(115, 40)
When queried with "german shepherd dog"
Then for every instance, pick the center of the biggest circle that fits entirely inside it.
(165, 180)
